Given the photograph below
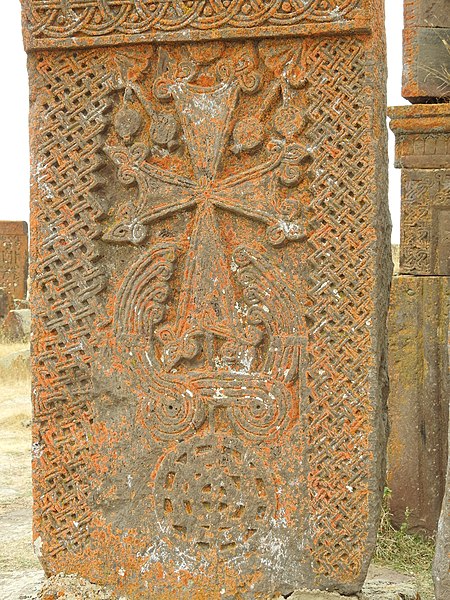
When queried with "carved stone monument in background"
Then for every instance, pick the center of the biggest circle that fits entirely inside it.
(419, 317)
(420, 306)
(210, 273)
(13, 263)
(426, 50)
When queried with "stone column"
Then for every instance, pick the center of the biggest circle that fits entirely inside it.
(210, 288)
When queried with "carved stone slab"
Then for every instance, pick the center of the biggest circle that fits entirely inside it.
(426, 63)
(426, 13)
(423, 152)
(418, 400)
(14, 258)
(59, 23)
(426, 50)
(210, 294)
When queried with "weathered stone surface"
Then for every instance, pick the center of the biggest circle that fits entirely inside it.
(63, 24)
(72, 587)
(423, 153)
(21, 304)
(382, 584)
(17, 325)
(426, 50)
(426, 13)
(426, 64)
(317, 595)
(418, 400)
(389, 591)
(422, 136)
(425, 222)
(5, 303)
(210, 271)
(14, 258)
(441, 567)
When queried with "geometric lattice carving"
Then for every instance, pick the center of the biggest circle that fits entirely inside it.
(422, 152)
(425, 243)
(209, 494)
(73, 99)
(208, 301)
(339, 276)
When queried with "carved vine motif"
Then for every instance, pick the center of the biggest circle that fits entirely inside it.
(232, 341)
(60, 19)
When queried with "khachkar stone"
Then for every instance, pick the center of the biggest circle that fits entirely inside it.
(210, 271)
(14, 259)
(419, 393)
(426, 50)
(418, 333)
(423, 153)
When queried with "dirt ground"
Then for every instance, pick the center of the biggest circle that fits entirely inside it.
(20, 571)
(21, 576)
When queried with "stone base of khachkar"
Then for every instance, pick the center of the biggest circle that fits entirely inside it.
(382, 584)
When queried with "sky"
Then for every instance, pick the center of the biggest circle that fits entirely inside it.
(14, 163)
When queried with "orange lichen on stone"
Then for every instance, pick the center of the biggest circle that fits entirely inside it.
(210, 273)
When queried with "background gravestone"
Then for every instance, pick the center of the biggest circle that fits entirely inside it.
(420, 300)
(13, 262)
(426, 50)
(210, 272)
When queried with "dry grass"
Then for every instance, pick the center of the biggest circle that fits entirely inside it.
(405, 552)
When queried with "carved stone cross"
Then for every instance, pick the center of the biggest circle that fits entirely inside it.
(210, 284)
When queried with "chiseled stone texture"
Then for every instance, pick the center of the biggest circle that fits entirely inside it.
(211, 265)
(418, 399)
(73, 587)
(14, 258)
(382, 584)
(423, 153)
(426, 54)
